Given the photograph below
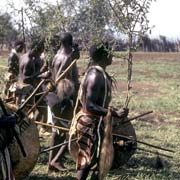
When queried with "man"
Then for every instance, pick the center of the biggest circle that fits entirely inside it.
(28, 63)
(61, 101)
(13, 66)
(95, 96)
(29, 72)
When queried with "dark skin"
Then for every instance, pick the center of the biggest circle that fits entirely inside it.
(13, 68)
(27, 66)
(26, 69)
(13, 61)
(61, 61)
(93, 103)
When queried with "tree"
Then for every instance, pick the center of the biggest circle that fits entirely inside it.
(7, 31)
(130, 17)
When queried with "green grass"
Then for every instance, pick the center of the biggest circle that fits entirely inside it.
(155, 86)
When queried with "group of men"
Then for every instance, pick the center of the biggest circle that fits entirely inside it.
(93, 96)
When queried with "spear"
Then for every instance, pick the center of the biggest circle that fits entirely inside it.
(154, 152)
(65, 71)
(141, 142)
(117, 135)
(32, 94)
(135, 117)
(52, 126)
(59, 145)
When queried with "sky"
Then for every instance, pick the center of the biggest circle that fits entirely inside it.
(164, 15)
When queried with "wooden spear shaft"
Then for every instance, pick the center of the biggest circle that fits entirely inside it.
(39, 100)
(65, 71)
(154, 152)
(59, 145)
(141, 142)
(61, 119)
(52, 126)
(32, 94)
(135, 117)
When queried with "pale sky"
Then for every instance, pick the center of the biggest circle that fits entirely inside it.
(164, 14)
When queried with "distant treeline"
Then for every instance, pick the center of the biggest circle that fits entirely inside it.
(147, 44)
(8, 34)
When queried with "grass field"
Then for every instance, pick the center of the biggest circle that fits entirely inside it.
(155, 86)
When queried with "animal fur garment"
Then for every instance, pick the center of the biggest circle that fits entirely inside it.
(65, 89)
(107, 150)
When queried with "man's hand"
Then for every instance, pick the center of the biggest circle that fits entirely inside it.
(75, 52)
(45, 75)
(121, 113)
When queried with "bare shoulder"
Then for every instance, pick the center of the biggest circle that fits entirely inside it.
(60, 58)
(24, 57)
(94, 75)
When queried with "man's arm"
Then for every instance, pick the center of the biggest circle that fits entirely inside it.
(13, 64)
(95, 82)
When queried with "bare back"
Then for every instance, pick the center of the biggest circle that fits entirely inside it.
(26, 69)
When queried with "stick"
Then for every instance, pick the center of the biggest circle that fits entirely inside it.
(39, 100)
(53, 126)
(46, 92)
(154, 152)
(61, 119)
(32, 94)
(39, 106)
(65, 71)
(141, 142)
(135, 117)
(59, 145)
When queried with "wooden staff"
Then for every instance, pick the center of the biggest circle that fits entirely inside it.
(39, 100)
(61, 119)
(154, 152)
(52, 126)
(59, 145)
(32, 94)
(65, 71)
(141, 142)
(135, 117)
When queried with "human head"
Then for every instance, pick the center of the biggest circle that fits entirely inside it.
(66, 39)
(55, 43)
(19, 45)
(37, 46)
(100, 53)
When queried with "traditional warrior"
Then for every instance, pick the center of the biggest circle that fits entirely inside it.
(41, 70)
(28, 62)
(95, 96)
(13, 65)
(29, 74)
(61, 101)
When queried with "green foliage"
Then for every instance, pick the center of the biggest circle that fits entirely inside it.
(7, 31)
